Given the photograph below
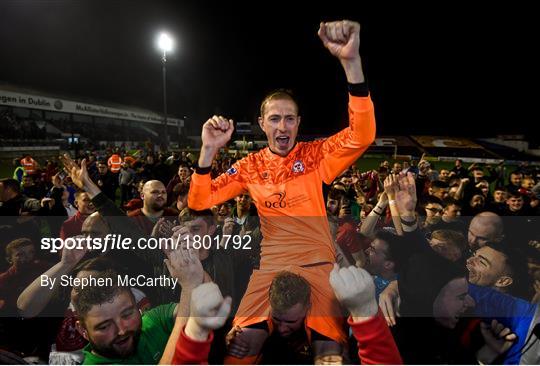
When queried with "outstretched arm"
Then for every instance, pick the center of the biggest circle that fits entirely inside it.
(342, 39)
(390, 188)
(184, 265)
(35, 297)
(370, 223)
(79, 176)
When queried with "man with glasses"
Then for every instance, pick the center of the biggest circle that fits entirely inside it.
(434, 209)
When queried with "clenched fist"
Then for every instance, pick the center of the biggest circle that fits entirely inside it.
(341, 38)
(216, 132)
(354, 288)
(208, 311)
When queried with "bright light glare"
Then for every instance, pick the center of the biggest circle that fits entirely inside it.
(165, 42)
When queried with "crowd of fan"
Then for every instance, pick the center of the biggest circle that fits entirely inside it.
(32, 130)
(13, 127)
(446, 249)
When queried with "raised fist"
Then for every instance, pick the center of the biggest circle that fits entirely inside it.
(341, 38)
(216, 132)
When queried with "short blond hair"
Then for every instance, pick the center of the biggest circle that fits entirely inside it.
(279, 94)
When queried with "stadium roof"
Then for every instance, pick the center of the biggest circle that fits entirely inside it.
(84, 99)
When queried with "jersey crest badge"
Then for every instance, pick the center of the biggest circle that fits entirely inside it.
(298, 167)
(232, 171)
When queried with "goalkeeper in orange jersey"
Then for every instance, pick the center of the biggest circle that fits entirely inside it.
(285, 181)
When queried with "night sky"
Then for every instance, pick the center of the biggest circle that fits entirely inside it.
(428, 67)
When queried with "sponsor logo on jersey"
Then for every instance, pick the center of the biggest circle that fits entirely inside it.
(232, 171)
(276, 200)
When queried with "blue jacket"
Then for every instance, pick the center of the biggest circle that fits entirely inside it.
(516, 314)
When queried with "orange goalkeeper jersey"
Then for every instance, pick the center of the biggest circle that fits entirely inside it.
(287, 191)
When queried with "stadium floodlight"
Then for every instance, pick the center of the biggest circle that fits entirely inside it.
(165, 44)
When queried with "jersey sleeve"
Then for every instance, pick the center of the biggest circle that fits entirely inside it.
(205, 192)
(191, 352)
(376, 345)
(341, 150)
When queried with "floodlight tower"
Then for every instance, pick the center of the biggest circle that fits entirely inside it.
(165, 44)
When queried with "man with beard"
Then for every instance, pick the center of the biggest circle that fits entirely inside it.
(154, 196)
(117, 333)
